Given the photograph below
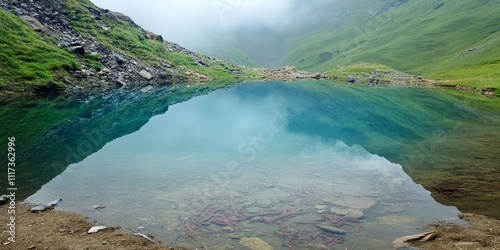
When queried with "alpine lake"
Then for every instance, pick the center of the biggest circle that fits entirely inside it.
(302, 165)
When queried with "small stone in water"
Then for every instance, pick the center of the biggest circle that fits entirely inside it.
(253, 210)
(331, 229)
(236, 236)
(227, 229)
(348, 212)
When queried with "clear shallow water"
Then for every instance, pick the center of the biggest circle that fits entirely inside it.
(198, 174)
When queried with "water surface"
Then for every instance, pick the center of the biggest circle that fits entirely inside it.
(227, 165)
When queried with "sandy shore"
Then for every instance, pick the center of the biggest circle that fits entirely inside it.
(62, 230)
(484, 233)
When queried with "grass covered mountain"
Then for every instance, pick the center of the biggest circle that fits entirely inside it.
(457, 42)
(453, 42)
(49, 45)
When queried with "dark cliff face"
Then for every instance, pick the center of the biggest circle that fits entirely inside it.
(109, 47)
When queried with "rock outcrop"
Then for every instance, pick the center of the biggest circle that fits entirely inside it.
(288, 73)
(103, 62)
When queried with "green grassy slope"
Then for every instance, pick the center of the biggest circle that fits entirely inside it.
(27, 60)
(32, 61)
(459, 42)
(129, 39)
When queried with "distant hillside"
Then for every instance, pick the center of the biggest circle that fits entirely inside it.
(51, 45)
(451, 42)
(457, 42)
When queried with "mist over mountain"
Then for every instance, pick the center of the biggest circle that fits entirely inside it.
(248, 32)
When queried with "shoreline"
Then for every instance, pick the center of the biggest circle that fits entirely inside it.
(68, 230)
(370, 77)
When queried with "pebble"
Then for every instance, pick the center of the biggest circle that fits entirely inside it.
(255, 244)
(144, 236)
(320, 209)
(227, 229)
(236, 236)
(393, 208)
(96, 229)
(253, 210)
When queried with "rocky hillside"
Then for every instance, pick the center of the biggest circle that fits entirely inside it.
(53, 45)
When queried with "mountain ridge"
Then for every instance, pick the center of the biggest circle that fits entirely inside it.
(54, 45)
(455, 43)
(445, 40)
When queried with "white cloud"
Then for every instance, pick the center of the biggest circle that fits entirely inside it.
(191, 22)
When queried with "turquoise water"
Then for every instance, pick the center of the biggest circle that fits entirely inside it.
(224, 166)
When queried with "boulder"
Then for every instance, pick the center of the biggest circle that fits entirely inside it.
(34, 23)
(116, 16)
(119, 59)
(146, 75)
(152, 36)
(351, 79)
(316, 75)
(371, 78)
(95, 54)
(80, 50)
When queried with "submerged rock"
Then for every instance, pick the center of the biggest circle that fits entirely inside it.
(146, 75)
(41, 208)
(255, 244)
(119, 59)
(253, 210)
(331, 229)
(34, 23)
